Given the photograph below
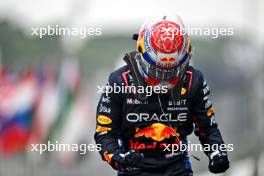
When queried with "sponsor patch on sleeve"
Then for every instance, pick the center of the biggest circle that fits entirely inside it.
(108, 157)
(102, 119)
(100, 129)
(210, 112)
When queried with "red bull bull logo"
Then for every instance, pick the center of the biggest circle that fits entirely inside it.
(157, 132)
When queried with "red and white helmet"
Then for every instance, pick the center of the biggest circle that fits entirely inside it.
(164, 48)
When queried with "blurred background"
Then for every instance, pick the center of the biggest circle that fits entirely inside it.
(48, 86)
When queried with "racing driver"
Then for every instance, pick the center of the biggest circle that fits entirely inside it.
(137, 130)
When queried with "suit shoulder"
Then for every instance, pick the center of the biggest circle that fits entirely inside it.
(196, 72)
(197, 75)
(117, 75)
(196, 82)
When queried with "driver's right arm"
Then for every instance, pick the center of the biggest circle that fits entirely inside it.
(108, 120)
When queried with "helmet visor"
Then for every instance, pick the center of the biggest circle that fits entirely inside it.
(160, 73)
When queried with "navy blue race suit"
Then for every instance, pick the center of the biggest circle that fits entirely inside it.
(125, 123)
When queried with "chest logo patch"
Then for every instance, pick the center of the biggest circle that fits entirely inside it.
(158, 132)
